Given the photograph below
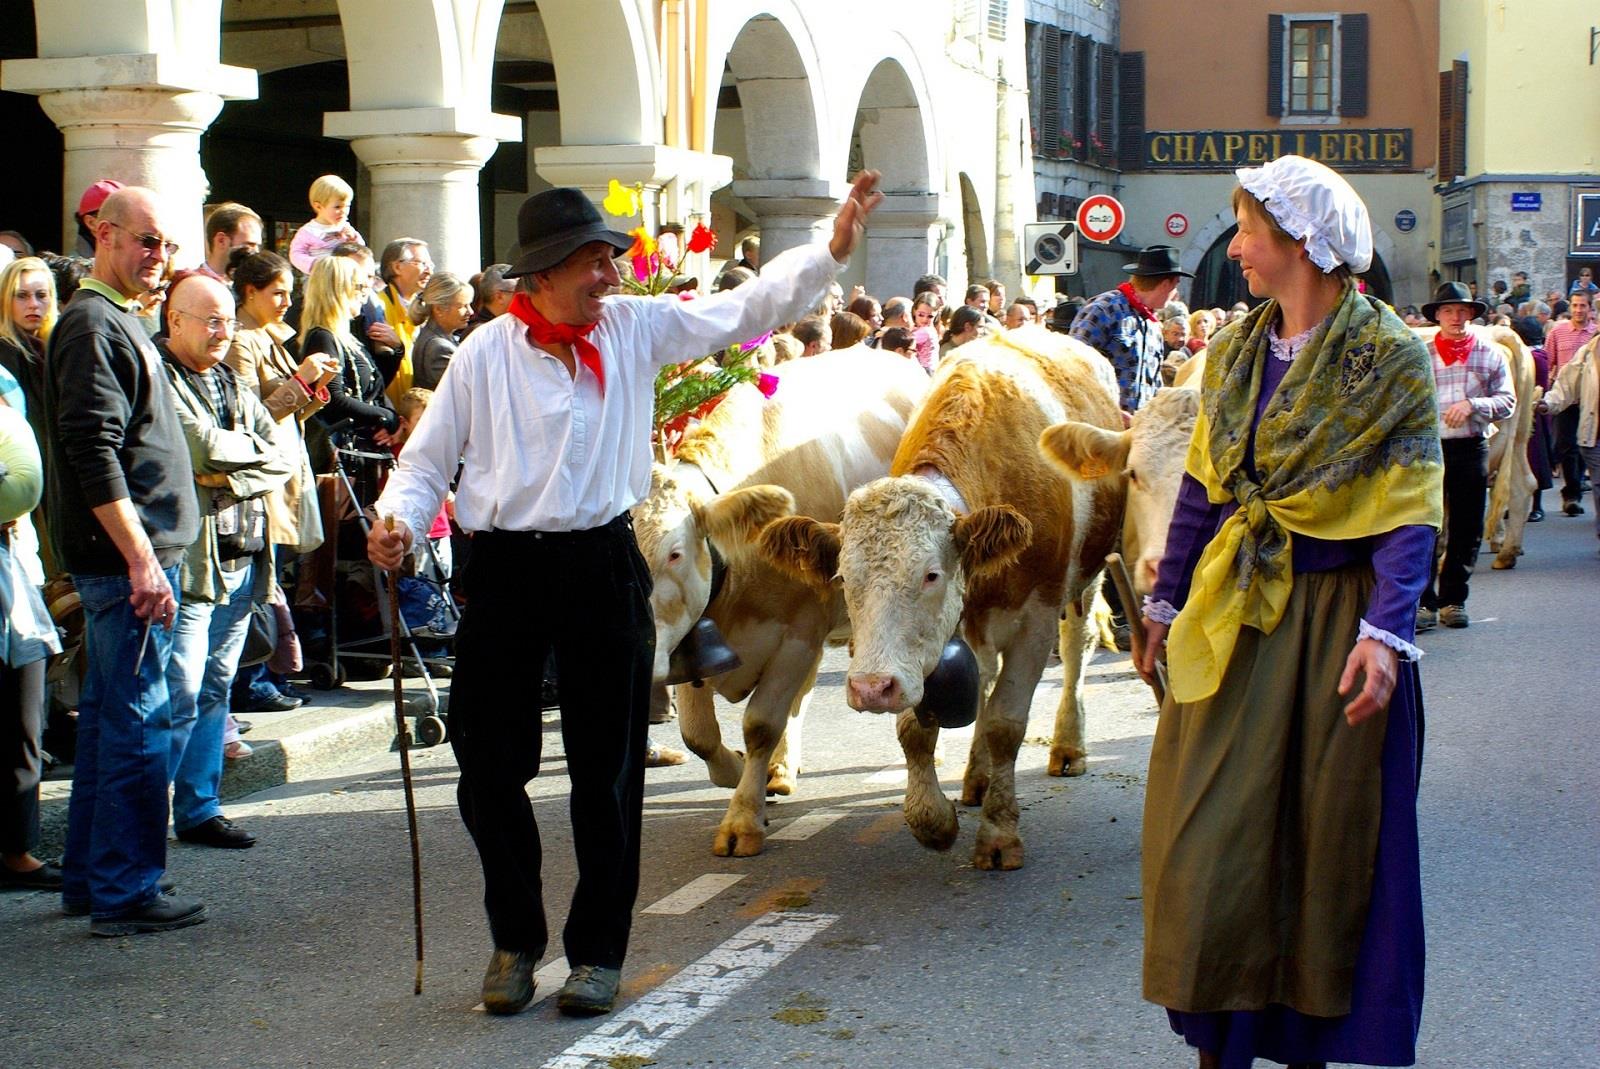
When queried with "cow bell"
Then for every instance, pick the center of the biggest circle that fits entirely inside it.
(950, 693)
(703, 653)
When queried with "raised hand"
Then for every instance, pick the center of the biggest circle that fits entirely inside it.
(851, 222)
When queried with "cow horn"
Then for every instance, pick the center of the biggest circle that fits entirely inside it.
(703, 653)
(950, 693)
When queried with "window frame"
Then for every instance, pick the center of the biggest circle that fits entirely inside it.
(1333, 116)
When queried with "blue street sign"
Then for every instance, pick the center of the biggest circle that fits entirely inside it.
(1405, 220)
(1526, 202)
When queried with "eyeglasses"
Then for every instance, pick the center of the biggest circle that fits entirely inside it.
(214, 324)
(149, 242)
(413, 260)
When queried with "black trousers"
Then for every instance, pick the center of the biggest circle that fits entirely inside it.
(21, 720)
(585, 595)
(1466, 492)
(1565, 455)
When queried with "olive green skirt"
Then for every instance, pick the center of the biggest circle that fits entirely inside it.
(1261, 820)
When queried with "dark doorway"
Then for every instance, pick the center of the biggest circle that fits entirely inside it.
(1218, 282)
(33, 207)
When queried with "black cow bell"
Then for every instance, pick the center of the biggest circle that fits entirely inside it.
(950, 693)
(703, 653)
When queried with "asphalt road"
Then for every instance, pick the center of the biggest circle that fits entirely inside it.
(847, 944)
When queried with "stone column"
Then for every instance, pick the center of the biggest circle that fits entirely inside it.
(902, 237)
(792, 211)
(423, 166)
(137, 119)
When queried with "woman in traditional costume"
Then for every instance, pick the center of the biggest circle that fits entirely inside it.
(1282, 896)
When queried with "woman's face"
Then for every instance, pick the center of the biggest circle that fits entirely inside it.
(269, 303)
(453, 314)
(31, 300)
(1268, 261)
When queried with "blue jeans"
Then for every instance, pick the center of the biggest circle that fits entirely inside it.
(117, 816)
(206, 643)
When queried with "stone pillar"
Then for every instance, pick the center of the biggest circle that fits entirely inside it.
(792, 211)
(137, 119)
(423, 166)
(902, 237)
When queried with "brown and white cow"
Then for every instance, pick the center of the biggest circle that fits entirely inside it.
(832, 425)
(974, 530)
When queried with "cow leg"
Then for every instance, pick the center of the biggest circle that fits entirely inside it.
(697, 719)
(785, 767)
(1002, 723)
(1511, 499)
(930, 815)
(743, 831)
(975, 781)
(1068, 754)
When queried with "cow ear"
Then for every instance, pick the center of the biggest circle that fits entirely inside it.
(1084, 450)
(805, 548)
(990, 538)
(733, 520)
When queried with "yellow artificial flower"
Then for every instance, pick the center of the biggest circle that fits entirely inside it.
(621, 201)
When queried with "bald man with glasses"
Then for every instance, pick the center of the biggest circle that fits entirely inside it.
(122, 512)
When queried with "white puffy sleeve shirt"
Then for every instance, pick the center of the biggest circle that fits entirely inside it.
(541, 450)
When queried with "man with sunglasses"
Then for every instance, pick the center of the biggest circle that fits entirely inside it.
(122, 511)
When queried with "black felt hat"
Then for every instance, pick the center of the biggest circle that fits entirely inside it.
(1157, 261)
(556, 223)
(1453, 293)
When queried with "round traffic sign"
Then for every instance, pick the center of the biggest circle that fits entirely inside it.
(1177, 224)
(1100, 217)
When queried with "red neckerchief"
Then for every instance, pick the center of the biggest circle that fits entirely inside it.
(543, 333)
(1133, 298)
(1453, 351)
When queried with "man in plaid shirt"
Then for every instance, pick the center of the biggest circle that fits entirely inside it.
(1121, 323)
(1473, 379)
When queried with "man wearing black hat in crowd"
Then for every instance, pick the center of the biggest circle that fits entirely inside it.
(1473, 379)
(548, 410)
(1121, 323)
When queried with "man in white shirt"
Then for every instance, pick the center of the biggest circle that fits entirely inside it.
(548, 411)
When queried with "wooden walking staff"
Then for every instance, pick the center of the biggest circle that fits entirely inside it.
(1120, 579)
(405, 756)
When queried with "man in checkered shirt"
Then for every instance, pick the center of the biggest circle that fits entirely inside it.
(1473, 379)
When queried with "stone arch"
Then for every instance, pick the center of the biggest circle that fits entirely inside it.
(892, 127)
(605, 56)
(780, 83)
(420, 53)
(975, 231)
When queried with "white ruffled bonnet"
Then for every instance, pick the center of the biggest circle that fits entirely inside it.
(1315, 204)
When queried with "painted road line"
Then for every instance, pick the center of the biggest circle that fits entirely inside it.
(807, 826)
(696, 892)
(640, 1030)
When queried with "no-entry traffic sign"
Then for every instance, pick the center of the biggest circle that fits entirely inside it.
(1100, 217)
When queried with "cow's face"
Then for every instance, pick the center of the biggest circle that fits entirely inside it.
(1150, 456)
(674, 528)
(904, 559)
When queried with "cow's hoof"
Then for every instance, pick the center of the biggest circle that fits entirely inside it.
(1502, 563)
(738, 842)
(972, 792)
(997, 850)
(937, 830)
(1065, 763)
(780, 780)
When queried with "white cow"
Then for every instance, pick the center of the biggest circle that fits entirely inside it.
(831, 426)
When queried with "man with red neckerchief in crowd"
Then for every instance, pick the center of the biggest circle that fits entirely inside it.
(1121, 324)
(548, 412)
(1474, 386)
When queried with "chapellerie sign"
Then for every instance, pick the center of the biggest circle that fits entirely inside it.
(1222, 150)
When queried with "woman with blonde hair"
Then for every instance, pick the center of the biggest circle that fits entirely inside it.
(442, 309)
(335, 291)
(27, 313)
(1201, 324)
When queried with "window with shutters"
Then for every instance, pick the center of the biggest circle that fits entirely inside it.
(1073, 85)
(1316, 67)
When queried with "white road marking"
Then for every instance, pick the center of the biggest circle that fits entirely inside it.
(696, 892)
(892, 774)
(807, 826)
(672, 1009)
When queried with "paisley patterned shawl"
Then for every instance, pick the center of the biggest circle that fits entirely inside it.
(1348, 447)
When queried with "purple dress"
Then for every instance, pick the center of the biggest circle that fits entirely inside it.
(1386, 997)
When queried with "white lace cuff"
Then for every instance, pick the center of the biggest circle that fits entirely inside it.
(1388, 638)
(1161, 612)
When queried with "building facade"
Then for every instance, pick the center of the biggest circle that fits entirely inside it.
(751, 114)
(1519, 174)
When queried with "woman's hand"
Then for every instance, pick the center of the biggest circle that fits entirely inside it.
(317, 369)
(1155, 637)
(1380, 665)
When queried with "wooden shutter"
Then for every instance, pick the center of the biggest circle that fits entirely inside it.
(1105, 72)
(1459, 68)
(1353, 65)
(1130, 111)
(1452, 162)
(1083, 96)
(1050, 92)
(1274, 64)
